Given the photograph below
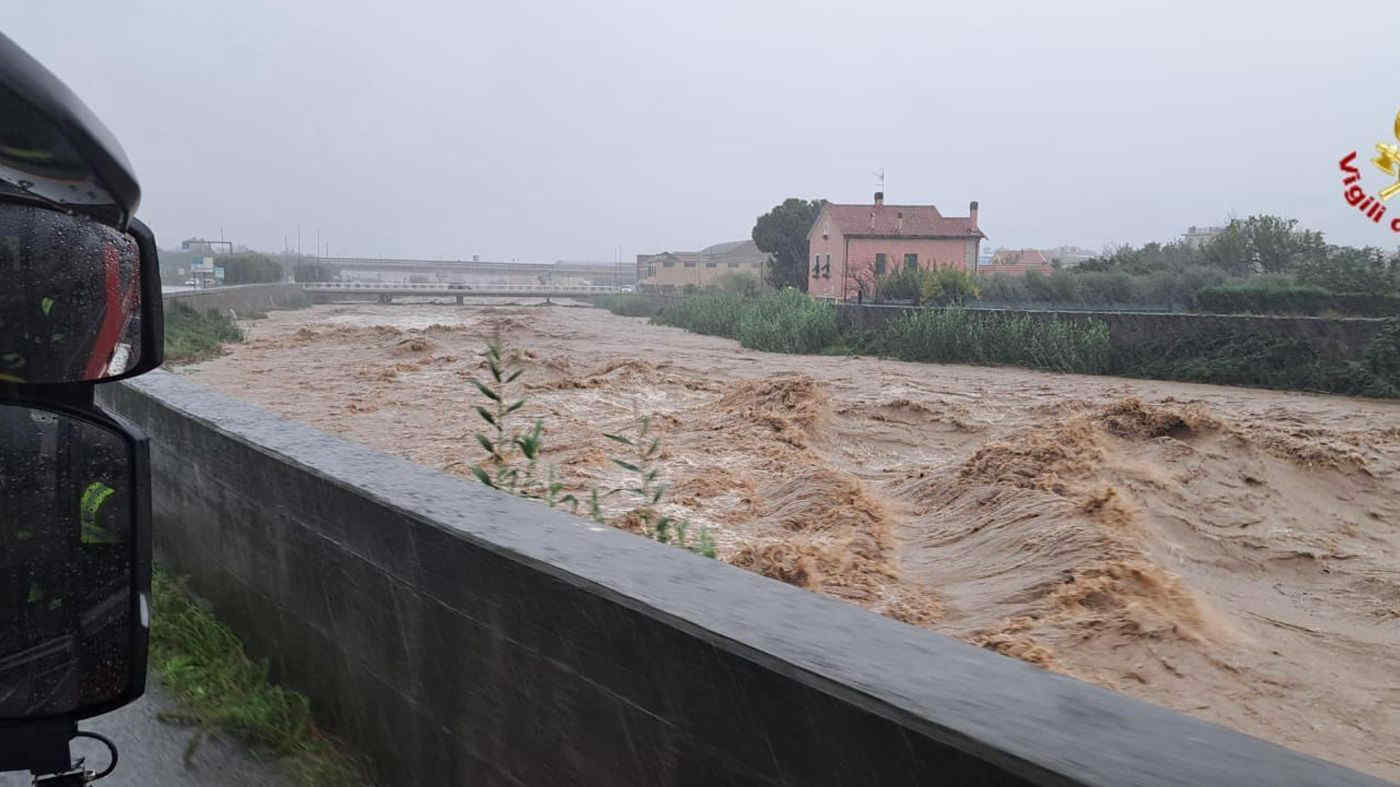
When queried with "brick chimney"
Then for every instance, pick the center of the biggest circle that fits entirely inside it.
(972, 211)
(879, 198)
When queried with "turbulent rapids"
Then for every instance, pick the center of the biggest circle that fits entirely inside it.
(1230, 553)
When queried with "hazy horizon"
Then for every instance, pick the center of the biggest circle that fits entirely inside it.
(570, 130)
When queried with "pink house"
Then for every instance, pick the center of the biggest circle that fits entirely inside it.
(852, 245)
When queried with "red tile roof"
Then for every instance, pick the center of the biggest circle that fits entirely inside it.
(1016, 262)
(900, 221)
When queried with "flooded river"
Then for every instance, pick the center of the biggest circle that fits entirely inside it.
(1227, 552)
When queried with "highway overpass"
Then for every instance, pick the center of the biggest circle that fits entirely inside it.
(621, 274)
(387, 291)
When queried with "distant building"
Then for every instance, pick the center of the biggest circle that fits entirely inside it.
(853, 245)
(1016, 262)
(1068, 256)
(1196, 237)
(672, 270)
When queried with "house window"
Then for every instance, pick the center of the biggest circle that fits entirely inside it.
(826, 272)
(669, 263)
(911, 261)
(816, 265)
(690, 265)
(733, 264)
(712, 265)
(879, 265)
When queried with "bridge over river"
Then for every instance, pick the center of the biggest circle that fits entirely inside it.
(384, 292)
(612, 274)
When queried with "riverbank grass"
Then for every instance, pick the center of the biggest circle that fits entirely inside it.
(219, 688)
(192, 336)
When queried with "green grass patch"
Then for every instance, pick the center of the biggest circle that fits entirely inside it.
(192, 336)
(219, 687)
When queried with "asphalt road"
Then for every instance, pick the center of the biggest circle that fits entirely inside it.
(152, 752)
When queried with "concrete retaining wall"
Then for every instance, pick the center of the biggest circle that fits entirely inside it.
(242, 298)
(1339, 337)
(464, 636)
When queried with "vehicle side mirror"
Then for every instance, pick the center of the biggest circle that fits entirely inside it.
(74, 564)
(81, 301)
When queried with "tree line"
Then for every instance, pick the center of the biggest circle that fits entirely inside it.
(1260, 263)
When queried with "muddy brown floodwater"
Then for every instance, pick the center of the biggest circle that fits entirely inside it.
(1227, 552)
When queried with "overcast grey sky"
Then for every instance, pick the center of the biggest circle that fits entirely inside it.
(549, 130)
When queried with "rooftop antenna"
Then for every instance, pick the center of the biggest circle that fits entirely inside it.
(880, 180)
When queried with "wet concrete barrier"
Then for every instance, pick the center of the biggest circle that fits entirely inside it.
(242, 298)
(464, 636)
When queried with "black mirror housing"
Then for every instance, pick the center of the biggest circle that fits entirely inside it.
(54, 150)
(81, 305)
(152, 303)
(82, 301)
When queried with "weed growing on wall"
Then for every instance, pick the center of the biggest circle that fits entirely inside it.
(644, 450)
(513, 460)
(512, 456)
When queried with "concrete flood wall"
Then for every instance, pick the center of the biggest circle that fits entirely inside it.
(1342, 337)
(463, 636)
(242, 298)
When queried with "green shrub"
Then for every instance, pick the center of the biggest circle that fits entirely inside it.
(1382, 358)
(632, 304)
(1248, 356)
(1274, 297)
(960, 336)
(904, 284)
(713, 315)
(1003, 288)
(787, 322)
(1236, 354)
(741, 283)
(250, 267)
(946, 284)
